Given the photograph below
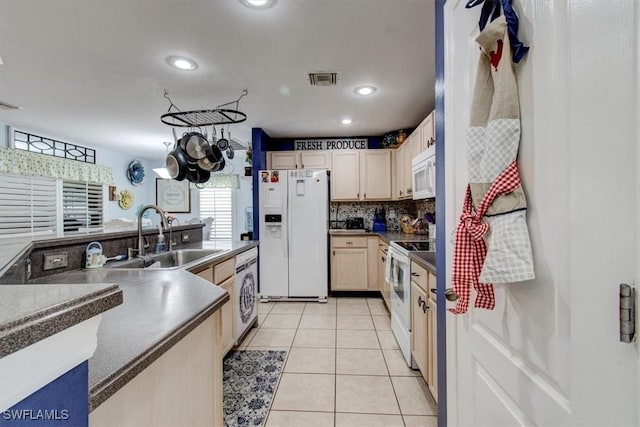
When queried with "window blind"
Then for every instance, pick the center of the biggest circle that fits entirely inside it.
(218, 203)
(28, 206)
(82, 209)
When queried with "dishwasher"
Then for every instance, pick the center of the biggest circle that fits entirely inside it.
(246, 288)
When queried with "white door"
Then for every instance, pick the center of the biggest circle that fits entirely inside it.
(549, 353)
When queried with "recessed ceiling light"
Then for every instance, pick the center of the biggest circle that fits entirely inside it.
(182, 63)
(365, 90)
(346, 121)
(258, 4)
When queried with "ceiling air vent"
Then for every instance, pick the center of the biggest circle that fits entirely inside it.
(7, 106)
(327, 78)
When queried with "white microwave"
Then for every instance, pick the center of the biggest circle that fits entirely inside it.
(423, 174)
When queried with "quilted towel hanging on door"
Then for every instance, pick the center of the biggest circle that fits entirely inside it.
(492, 239)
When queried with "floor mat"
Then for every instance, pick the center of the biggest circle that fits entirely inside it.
(249, 382)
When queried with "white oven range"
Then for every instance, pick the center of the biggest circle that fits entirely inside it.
(398, 277)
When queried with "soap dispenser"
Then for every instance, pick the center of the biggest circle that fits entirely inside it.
(160, 245)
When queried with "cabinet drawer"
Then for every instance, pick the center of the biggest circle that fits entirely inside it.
(419, 276)
(224, 270)
(349, 242)
(206, 274)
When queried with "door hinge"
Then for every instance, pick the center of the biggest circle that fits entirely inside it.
(627, 313)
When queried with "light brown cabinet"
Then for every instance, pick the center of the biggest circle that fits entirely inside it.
(424, 326)
(382, 280)
(222, 274)
(361, 175)
(349, 264)
(372, 264)
(375, 175)
(345, 175)
(299, 160)
(427, 132)
(420, 327)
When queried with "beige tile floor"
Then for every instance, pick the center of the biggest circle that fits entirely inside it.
(343, 367)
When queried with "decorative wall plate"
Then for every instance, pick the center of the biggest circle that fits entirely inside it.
(135, 172)
(125, 199)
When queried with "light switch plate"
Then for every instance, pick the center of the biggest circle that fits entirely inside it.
(55, 260)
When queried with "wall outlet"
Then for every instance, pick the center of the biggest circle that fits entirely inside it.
(185, 237)
(56, 260)
(392, 213)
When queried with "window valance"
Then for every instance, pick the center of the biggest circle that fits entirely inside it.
(25, 163)
(221, 180)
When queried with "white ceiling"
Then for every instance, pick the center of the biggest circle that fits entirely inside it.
(93, 71)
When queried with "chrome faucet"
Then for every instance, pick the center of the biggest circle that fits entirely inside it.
(163, 220)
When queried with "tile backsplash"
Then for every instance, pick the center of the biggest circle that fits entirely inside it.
(340, 211)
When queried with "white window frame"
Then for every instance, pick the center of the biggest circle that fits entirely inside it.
(233, 211)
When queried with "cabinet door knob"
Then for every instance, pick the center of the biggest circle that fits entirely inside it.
(415, 274)
(420, 301)
(424, 307)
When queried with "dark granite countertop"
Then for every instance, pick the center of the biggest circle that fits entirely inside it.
(387, 236)
(30, 313)
(425, 259)
(160, 307)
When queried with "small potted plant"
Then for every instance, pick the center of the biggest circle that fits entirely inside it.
(249, 160)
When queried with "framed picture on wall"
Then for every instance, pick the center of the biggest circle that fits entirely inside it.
(173, 196)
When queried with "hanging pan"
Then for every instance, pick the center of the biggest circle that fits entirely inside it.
(177, 164)
(223, 143)
(195, 145)
(213, 159)
(197, 175)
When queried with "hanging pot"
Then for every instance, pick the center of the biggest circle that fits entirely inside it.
(177, 164)
(194, 145)
(212, 161)
(223, 143)
(230, 152)
(197, 175)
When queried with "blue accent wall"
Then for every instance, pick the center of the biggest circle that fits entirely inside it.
(259, 143)
(441, 260)
(62, 402)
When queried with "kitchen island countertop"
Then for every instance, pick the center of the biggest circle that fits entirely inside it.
(161, 306)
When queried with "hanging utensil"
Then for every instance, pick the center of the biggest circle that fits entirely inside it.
(230, 152)
(223, 143)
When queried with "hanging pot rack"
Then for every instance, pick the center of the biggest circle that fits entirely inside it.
(200, 118)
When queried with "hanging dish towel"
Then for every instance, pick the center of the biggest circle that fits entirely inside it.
(492, 239)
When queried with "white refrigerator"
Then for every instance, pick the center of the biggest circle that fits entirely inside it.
(293, 207)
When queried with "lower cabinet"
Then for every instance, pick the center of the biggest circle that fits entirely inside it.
(228, 340)
(385, 291)
(420, 327)
(182, 387)
(349, 263)
(424, 326)
(223, 274)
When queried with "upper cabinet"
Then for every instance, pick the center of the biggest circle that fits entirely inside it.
(345, 175)
(282, 160)
(427, 132)
(361, 175)
(299, 160)
(375, 174)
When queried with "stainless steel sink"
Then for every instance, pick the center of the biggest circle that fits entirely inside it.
(181, 257)
(175, 258)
